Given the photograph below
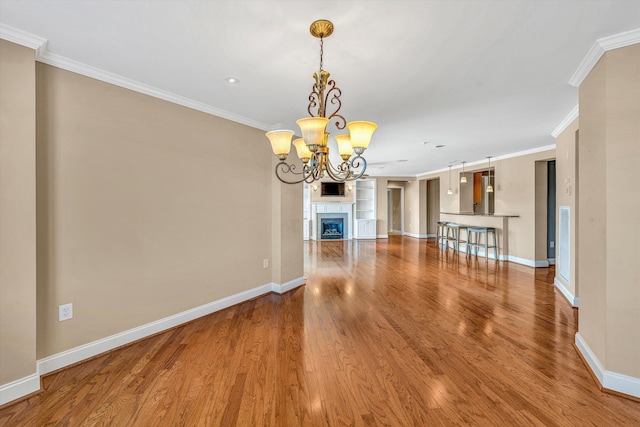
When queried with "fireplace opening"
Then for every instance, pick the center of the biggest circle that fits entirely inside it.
(332, 228)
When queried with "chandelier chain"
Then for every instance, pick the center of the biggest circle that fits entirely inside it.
(321, 51)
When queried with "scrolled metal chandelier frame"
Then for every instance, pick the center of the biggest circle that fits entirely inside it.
(312, 148)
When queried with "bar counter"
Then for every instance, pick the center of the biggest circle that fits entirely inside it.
(499, 221)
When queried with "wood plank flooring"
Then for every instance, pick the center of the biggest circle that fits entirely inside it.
(392, 333)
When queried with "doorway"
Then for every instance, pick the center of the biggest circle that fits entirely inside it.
(395, 210)
(551, 211)
(433, 206)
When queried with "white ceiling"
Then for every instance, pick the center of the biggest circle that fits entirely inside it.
(480, 77)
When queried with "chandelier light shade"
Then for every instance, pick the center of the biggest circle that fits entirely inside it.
(303, 151)
(345, 148)
(312, 148)
(280, 142)
(361, 133)
(449, 191)
(463, 179)
(489, 187)
(313, 130)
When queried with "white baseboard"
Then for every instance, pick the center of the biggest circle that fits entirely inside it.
(418, 236)
(382, 236)
(80, 353)
(528, 262)
(30, 384)
(19, 388)
(568, 295)
(286, 287)
(481, 253)
(552, 261)
(609, 380)
(510, 258)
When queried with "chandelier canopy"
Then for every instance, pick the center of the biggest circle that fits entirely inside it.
(312, 148)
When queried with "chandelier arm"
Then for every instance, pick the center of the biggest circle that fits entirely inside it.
(314, 100)
(336, 175)
(357, 162)
(333, 96)
(286, 168)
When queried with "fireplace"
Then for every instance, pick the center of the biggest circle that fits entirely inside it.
(331, 213)
(331, 228)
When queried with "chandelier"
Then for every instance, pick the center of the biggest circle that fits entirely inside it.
(312, 148)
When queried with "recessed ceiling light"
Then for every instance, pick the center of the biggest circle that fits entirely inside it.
(400, 161)
(440, 146)
(425, 143)
(232, 80)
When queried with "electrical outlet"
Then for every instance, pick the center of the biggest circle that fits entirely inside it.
(65, 312)
(552, 244)
(265, 263)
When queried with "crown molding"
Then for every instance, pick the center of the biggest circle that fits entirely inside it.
(42, 55)
(599, 48)
(23, 38)
(117, 80)
(485, 160)
(566, 122)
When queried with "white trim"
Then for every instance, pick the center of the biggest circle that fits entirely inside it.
(23, 38)
(552, 261)
(510, 258)
(418, 236)
(567, 294)
(484, 161)
(40, 45)
(598, 49)
(27, 385)
(610, 380)
(19, 388)
(527, 262)
(573, 114)
(286, 287)
(114, 79)
(85, 351)
(382, 236)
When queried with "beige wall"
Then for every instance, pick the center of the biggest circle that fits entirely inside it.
(141, 214)
(286, 232)
(415, 212)
(515, 193)
(17, 213)
(566, 193)
(608, 206)
(381, 205)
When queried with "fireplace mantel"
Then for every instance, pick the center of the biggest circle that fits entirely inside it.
(321, 209)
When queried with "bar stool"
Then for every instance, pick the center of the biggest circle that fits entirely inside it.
(474, 235)
(453, 233)
(440, 232)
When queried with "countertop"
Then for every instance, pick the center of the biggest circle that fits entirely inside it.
(481, 214)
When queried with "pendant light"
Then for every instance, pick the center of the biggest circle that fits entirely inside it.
(463, 180)
(449, 191)
(489, 187)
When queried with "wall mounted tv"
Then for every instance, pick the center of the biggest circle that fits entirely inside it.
(332, 189)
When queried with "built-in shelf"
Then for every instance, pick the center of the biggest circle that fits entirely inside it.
(365, 209)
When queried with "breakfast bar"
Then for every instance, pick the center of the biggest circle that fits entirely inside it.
(498, 221)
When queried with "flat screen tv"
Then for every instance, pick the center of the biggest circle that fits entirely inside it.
(332, 189)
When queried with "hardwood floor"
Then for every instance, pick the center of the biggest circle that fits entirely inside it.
(390, 333)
